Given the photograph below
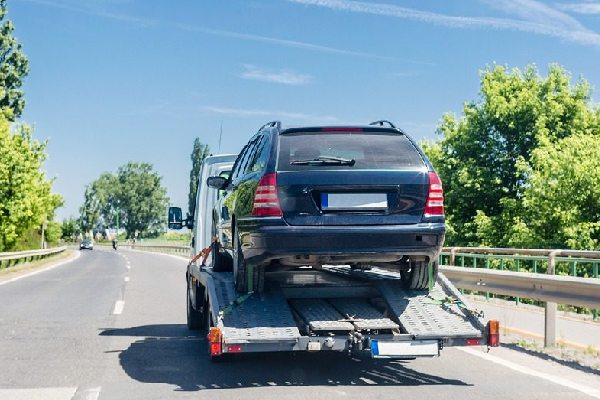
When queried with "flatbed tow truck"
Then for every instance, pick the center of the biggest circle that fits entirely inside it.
(333, 308)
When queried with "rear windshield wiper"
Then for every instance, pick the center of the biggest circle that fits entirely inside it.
(325, 160)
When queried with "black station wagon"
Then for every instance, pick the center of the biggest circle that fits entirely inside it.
(360, 196)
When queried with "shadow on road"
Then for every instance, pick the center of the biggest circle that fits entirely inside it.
(168, 354)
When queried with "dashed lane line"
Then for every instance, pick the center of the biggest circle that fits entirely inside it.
(118, 310)
(126, 279)
(529, 371)
(89, 393)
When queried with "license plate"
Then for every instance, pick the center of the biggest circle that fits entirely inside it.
(414, 348)
(354, 201)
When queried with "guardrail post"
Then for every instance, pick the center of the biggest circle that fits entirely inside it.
(595, 275)
(550, 314)
(452, 257)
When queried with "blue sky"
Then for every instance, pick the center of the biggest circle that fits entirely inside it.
(113, 81)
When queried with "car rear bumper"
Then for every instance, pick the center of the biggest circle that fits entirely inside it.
(261, 244)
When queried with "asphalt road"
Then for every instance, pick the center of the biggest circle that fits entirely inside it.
(112, 326)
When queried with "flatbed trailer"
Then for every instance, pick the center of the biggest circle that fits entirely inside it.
(334, 308)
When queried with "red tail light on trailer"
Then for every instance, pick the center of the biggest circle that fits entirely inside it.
(493, 329)
(435, 199)
(214, 341)
(266, 202)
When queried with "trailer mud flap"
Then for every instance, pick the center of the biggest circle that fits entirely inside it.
(408, 349)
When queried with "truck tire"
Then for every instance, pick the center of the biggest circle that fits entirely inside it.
(195, 319)
(417, 277)
(239, 267)
(220, 261)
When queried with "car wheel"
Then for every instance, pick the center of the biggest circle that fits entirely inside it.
(417, 277)
(239, 267)
(220, 262)
(195, 318)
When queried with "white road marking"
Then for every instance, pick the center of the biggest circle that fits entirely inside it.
(528, 371)
(59, 393)
(126, 279)
(87, 394)
(118, 310)
(52, 266)
(128, 265)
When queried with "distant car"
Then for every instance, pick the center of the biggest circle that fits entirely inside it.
(86, 244)
(357, 195)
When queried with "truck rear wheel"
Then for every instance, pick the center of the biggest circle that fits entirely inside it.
(195, 319)
(417, 277)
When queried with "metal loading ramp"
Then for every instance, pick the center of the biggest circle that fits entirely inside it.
(259, 317)
(421, 314)
(341, 315)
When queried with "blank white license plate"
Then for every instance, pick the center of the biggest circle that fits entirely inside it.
(415, 348)
(354, 201)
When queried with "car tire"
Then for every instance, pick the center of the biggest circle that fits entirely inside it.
(220, 261)
(417, 277)
(195, 318)
(240, 275)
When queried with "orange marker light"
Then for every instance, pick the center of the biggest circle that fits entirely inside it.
(493, 333)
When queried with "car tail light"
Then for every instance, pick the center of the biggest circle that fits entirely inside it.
(266, 203)
(435, 199)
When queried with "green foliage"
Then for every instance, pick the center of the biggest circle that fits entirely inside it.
(134, 196)
(497, 160)
(562, 200)
(13, 67)
(26, 198)
(199, 153)
(53, 233)
(70, 229)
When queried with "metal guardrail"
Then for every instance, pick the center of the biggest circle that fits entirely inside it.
(9, 259)
(548, 287)
(163, 248)
(583, 292)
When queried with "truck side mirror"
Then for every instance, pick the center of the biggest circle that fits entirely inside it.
(175, 218)
(217, 182)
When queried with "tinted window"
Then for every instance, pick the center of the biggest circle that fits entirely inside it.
(261, 156)
(238, 163)
(368, 150)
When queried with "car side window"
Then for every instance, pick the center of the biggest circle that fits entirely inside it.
(247, 157)
(261, 156)
(235, 173)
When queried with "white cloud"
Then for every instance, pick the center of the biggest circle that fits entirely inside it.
(269, 114)
(543, 20)
(285, 77)
(580, 8)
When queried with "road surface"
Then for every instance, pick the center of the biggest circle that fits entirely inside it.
(111, 325)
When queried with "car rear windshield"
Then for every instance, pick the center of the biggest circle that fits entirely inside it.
(354, 150)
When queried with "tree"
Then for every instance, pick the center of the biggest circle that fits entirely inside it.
(70, 229)
(26, 198)
(13, 67)
(199, 153)
(562, 199)
(135, 196)
(485, 157)
(142, 199)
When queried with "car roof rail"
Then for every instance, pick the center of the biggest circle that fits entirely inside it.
(272, 124)
(383, 122)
